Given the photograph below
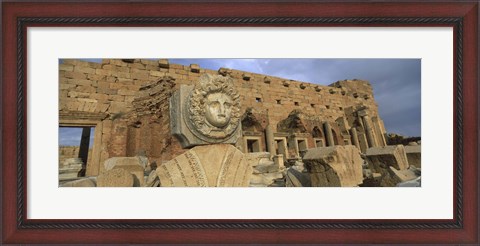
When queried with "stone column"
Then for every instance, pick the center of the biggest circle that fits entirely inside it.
(354, 134)
(84, 142)
(270, 140)
(369, 132)
(329, 134)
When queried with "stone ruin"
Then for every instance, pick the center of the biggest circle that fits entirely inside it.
(162, 124)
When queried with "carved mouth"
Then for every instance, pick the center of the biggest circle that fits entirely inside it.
(222, 115)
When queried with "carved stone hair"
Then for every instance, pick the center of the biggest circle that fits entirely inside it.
(207, 85)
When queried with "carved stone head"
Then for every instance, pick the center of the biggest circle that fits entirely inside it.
(213, 108)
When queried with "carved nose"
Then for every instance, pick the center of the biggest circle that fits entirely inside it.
(222, 109)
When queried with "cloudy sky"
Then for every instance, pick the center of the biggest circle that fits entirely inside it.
(396, 84)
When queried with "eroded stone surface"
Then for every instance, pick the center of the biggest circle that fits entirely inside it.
(219, 165)
(136, 171)
(117, 177)
(334, 166)
(125, 161)
(394, 156)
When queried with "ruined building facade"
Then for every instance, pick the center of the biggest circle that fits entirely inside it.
(127, 101)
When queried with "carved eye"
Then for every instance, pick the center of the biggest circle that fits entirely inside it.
(228, 105)
(214, 104)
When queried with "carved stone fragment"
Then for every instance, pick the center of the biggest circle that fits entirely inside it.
(208, 113)
(219, 165)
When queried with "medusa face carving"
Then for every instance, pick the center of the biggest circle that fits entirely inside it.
(213, 108)
(218, 109)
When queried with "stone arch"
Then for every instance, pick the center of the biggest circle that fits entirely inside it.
(250, 122)
(317, 132)
(318, 137)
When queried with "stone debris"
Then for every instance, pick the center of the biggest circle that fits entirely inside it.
(152, 180)
(117, 177)
(381, 157)
(295, 178)
(337, 166)
(71, 169)
(265, 171)
(411, 183)
(391, 164)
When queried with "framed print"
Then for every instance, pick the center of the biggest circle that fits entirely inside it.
(133, 69)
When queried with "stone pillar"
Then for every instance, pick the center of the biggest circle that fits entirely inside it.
(329, 134)
(93, 167)
(369, 132)
(294, 143)
(354, 134)
(270, 140)
(83, 151)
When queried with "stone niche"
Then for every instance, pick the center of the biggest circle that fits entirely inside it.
(335, 166)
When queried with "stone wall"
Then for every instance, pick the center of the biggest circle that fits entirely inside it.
(113, 97)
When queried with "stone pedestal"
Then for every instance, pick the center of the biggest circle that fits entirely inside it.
(219, 165)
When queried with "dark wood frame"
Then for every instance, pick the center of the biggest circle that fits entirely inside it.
(463, 16)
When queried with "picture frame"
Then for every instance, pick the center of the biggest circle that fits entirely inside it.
(18, 16)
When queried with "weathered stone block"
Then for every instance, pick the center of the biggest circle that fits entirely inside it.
(137, 172)
(75, 75)
(65, 67)
(115, 178)
(381, 157)
(220, 165)
(163, 63)
(414, 155)
(334, 166)
(80, 69)
(124, 161)
(103, 72)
